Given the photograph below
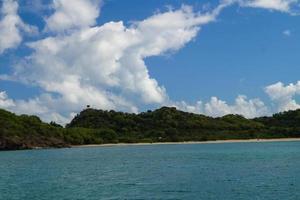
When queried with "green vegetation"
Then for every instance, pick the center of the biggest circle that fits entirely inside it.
(22, 132)
(162, 125)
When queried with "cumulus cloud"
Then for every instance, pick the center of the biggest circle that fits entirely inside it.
(184, 106)
(83, 63)
(41, 106)
(72, 14)
(284, 95)
(103, 66)
(5, 102)
(249, 108)
(11, 26)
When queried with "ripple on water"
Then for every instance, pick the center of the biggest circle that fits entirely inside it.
(193, 171)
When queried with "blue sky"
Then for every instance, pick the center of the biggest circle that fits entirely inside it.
(249, 48)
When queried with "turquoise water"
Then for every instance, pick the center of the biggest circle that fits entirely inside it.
(193, 171)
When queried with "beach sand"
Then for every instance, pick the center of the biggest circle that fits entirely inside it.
(191, 142)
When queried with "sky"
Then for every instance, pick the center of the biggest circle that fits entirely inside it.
(208, 57)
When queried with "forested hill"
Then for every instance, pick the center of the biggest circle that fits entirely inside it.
(162, 125)
(23, 132)
(170, 124)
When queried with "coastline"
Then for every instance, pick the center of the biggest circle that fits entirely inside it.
(190, 142)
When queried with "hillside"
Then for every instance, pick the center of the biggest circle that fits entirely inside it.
(25, 132)
(170, 124)
(162, 125)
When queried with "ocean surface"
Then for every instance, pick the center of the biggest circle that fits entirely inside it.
(226, 171)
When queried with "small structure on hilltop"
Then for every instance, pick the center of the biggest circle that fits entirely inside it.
(88, 106)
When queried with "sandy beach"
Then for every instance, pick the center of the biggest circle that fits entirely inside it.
(191, 142)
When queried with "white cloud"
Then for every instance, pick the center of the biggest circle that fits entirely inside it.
(11, 26)
(41, 106)
(279, 5)
(248, 108)
(5, 102)
(215, 107)
(103, 66)
(287, 33)
(284, 96)
(184, 106)
(73, 14)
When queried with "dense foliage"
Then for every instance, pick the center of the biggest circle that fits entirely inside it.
(19, 132)
(162, 125)
(170, 124)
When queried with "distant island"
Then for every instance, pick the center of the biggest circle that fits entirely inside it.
(166, 124)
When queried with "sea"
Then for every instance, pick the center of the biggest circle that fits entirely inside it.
(225, 171)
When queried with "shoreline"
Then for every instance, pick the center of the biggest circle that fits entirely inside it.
(190, 142)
